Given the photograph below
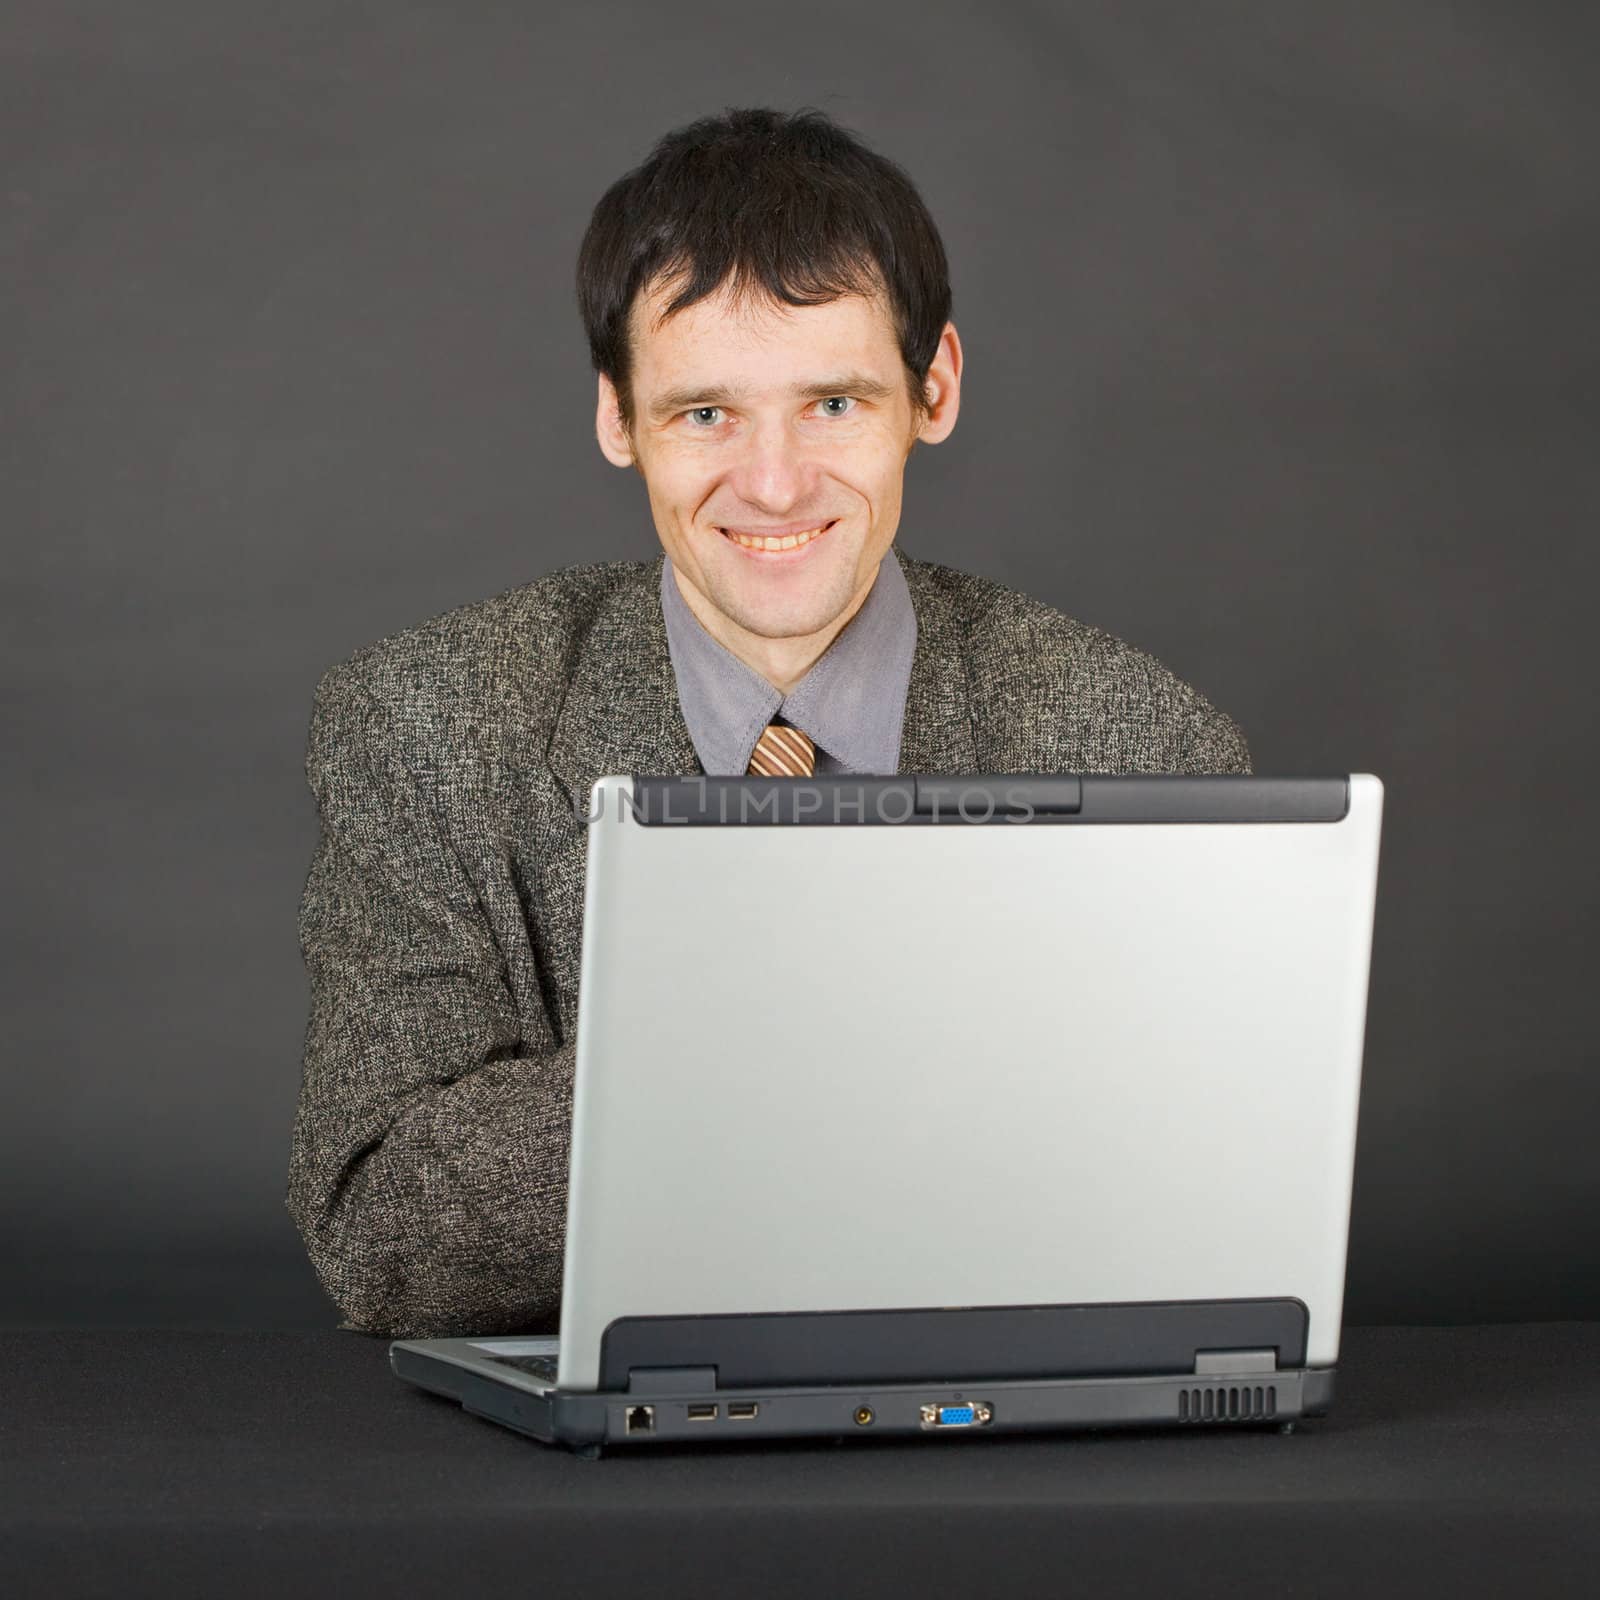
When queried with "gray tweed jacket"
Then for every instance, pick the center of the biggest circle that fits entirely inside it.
(442, 915)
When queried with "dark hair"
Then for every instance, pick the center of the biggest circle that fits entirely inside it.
(792, 206)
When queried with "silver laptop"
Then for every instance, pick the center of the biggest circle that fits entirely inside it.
(949, 1106)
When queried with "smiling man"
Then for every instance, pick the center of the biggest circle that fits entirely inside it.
(773, 442)
(767, 306)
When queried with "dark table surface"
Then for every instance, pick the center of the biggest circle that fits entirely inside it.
(1455, 1461)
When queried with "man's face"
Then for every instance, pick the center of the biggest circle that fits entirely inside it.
(763, 422)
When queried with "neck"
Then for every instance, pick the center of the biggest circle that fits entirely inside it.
(782, 662)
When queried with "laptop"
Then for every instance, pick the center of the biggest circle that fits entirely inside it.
(944, 1107)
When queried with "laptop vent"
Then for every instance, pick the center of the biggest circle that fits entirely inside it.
(1242, 1404)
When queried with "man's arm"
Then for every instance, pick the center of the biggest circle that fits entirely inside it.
(428, 1168)
(1212, 742)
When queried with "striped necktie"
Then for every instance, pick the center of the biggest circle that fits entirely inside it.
(782, 752)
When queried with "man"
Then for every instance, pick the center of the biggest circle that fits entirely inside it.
(767, 305)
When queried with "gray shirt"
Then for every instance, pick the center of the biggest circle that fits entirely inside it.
(850, 704)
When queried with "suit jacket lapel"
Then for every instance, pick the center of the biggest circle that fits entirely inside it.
(620, 715)
(621, 712)
(937, 734)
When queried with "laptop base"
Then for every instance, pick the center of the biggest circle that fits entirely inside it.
(686, 1406)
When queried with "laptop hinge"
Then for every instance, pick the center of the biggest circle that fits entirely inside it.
(1215, 1363)
(927, 1344)
(671, 1380)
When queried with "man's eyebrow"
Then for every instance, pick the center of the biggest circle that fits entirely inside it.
(671, 401)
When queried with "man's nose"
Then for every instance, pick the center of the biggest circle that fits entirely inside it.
(772, 471)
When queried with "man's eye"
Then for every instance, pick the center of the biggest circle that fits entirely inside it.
(705, 416)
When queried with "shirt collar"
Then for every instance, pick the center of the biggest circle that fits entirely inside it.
(850, 703)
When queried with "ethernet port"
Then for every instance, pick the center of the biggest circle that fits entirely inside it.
(641, 1419)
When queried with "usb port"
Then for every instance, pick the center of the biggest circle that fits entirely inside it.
(742, 1410)
(702, 1413)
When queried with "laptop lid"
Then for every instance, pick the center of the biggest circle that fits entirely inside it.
(942, 1044)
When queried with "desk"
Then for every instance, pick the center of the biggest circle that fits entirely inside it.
(1456, 1461)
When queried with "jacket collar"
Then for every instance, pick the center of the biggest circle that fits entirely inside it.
(621, 712)
(937, 734)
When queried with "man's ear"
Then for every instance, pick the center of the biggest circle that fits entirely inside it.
(615, 444)
(943, 387)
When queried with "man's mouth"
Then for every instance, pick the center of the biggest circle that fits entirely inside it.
(797, 539)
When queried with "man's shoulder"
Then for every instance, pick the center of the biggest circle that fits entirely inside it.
(521, 642)
(998, 623)
(992, 615)
(1044, 680)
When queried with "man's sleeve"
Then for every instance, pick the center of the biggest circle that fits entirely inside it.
(1215, 743)
(428, 1167)
(1209, 740)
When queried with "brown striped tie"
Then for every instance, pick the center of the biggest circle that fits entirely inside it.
(782, 752)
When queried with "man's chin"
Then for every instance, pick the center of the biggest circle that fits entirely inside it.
(796, 618)
(769, 623)
(771, 613)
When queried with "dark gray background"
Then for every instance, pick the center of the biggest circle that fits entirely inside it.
(1281, 342)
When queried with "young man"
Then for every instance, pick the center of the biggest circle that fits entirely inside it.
(767, 306)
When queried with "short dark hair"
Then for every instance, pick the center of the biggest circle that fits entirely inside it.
(792, 206)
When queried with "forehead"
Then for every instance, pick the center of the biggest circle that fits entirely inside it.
(757, 343)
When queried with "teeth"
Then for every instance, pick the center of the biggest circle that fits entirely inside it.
(789, 541)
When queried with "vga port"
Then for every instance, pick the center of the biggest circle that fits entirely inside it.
(972, 1414)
